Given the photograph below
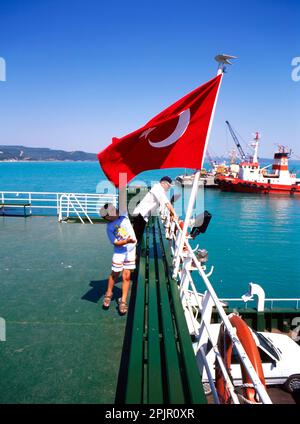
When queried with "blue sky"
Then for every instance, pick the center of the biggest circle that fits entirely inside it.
(80, 72)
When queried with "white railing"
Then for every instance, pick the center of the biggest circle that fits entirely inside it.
(269, 302)
(194, 302)
(70, 203)
(84, 206)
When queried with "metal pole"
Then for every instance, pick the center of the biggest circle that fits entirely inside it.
(195, 186)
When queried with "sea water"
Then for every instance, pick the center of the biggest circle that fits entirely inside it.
(251, 238)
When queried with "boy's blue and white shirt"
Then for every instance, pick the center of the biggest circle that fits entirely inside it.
(121, 229)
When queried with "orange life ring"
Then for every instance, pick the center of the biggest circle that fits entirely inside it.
(225, 347)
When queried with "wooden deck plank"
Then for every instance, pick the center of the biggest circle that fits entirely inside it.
(173, 367)
(134, 389)
(154, 380)
(193, 382)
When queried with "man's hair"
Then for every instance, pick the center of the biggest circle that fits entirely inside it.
(166, 178)
(108, 209)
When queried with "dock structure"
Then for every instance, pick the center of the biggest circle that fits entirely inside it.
(158, 362)
(207, 181)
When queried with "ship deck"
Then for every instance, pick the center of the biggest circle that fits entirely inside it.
(60, 347)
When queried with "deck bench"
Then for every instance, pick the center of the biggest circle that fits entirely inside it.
(15, 205)
(158, 363)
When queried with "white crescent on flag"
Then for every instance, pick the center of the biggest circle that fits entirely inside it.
(181, 127)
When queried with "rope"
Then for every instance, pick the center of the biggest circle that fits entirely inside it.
(243, 398)
(247, 386)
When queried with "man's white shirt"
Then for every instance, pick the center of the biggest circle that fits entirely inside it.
(154, 199)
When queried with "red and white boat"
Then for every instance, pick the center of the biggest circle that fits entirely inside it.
(251, 178)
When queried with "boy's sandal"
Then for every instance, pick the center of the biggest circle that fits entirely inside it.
(123, 308)
(106, 301)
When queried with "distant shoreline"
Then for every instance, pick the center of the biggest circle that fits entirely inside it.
(96, 161)
(43, 154)
(48, 161)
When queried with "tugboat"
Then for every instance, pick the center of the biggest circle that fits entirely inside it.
(251, 178)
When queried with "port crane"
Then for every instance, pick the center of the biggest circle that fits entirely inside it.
(236, 140)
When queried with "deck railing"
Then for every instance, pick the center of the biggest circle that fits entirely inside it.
(84, 206)
(194, 302)
(292, 302)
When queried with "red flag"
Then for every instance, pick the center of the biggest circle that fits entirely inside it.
(173, 139)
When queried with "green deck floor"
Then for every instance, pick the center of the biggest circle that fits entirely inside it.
(60, 347)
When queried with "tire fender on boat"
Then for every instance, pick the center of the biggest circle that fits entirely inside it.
(225, 347)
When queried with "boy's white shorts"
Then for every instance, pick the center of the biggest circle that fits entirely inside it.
(124, 260)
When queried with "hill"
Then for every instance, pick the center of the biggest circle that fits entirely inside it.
(22, 153)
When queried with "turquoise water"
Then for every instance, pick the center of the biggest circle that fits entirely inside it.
(250, 237)
(253, 238)
(79, 177)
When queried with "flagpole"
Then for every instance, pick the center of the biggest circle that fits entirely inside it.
(222, 60)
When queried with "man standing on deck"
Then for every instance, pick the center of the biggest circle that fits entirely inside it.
(154, 199)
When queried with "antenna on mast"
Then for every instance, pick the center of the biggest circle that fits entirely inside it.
(254, 145)
(223, 59)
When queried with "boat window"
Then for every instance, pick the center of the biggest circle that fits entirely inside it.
(265, 349)
(265, 358)
(267, 345)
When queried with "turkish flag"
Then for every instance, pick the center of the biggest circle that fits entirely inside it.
(173, 139)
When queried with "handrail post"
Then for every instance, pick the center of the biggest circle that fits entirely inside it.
(57, 204)
(30, 201)
(207, 307)
(184, 280)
